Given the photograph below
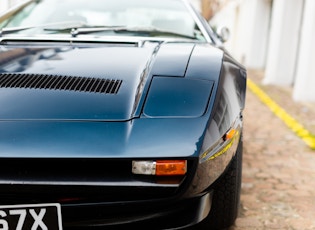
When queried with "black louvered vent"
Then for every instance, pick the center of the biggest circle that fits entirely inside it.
(55, 82)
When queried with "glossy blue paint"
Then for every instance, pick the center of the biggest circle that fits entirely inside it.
(74, 139)
(59, 123)
(172, 59)
(133, 69)
(205, 63)
(176, 97)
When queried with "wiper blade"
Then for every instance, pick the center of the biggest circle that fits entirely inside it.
(152, 31)
(61, 26)
(83, 29)
(11, 30)
(77, 28)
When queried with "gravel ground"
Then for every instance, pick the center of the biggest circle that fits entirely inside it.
(278, 168)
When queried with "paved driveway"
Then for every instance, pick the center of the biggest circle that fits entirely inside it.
(278, 189)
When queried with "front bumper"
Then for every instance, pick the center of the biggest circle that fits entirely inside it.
(157, 214)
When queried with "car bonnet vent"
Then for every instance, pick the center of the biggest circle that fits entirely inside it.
(55, 82)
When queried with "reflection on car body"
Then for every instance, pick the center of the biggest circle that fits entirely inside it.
(118, 114)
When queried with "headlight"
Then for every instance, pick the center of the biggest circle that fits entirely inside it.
(177, 97)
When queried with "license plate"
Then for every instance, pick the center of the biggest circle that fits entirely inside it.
(38, 216)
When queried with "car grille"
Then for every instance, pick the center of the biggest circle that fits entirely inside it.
(55, 82)
(78, 180)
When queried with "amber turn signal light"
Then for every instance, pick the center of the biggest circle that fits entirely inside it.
(171, 167)
(160, 167)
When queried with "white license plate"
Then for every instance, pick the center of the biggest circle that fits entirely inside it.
(38, 216)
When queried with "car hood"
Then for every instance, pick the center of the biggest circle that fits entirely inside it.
(83, 82)
(60, 120)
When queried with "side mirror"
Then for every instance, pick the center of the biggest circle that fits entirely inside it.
(223, 33)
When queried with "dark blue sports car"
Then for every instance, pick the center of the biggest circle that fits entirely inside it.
(117, 114)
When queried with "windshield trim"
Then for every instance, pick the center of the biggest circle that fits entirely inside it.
(198, 22)
(15, 9)
(47, 38)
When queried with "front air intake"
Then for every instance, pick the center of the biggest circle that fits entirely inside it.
(57, 82)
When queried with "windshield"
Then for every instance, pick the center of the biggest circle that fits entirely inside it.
(166, 15)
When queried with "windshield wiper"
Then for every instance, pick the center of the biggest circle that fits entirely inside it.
(76, 28)
(86, 29)
(11, 30)
(61, 26)
(152, 31)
